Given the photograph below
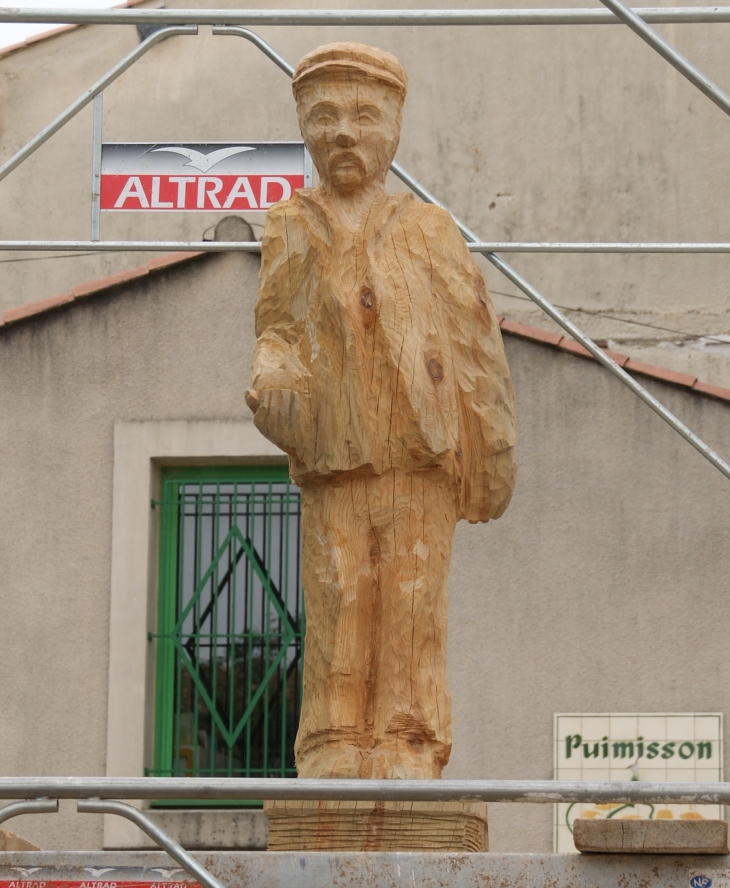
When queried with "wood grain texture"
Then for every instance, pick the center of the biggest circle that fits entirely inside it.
(380, 370)
(377, 826)
(651, 836)
(10, 841)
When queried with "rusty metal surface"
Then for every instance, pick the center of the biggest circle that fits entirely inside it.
(262, 869)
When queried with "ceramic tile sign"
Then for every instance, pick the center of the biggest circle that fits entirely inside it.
(668, 747)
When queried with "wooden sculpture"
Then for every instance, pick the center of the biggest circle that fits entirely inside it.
(380, 370)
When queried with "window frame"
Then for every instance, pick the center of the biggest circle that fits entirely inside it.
(167, 592)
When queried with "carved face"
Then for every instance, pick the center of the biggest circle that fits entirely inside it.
(351, 126)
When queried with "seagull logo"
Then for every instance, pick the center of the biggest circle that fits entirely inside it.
(166, 872)
(204, 162)
(96, 872)
(26, 871)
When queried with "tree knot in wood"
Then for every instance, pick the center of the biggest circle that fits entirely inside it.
(436, 371)
(367, 299)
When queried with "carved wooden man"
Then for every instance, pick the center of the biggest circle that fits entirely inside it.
(380, 370)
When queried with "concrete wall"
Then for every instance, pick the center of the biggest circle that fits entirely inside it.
(176, 345)
(528, 133)
(603, 588)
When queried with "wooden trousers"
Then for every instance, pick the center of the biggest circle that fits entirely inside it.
(376, 552)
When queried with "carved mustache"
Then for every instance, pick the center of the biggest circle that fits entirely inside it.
(347, 156)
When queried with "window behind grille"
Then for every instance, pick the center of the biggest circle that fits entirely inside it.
(230, 624)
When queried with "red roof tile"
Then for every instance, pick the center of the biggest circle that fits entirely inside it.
(534, 334)
(529, 332)
(565, 343)
(92, 288)
(26, 311)
(667, 375)
(714, 391)
(112, 280)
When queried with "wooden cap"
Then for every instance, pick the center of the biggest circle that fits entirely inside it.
(344, 57)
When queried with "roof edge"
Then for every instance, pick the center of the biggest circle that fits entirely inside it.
(13, 316)
(92, 288)
(565, 343)
(54, 32)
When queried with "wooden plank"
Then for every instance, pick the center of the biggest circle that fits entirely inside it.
(377, 826)
(651, 836)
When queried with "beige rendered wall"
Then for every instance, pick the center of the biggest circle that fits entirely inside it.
(177, 345)
(603, 588)
(528, 133)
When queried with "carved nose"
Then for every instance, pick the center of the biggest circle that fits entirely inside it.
(344, 138)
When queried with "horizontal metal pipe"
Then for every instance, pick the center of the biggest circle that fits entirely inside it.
(255, 246)
(29, 806)
(404, 17)
(173, 848)
(597, 247)
(133, 246)
(531, 791)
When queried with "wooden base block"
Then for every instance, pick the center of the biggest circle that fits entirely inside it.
(651, 836)
(377, 826)
(10, 841)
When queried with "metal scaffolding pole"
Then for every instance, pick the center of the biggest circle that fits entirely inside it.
(158, 835)
(669, 53)
(398, 17)
(360, 17)
(544, 792)
(512, 275)
(30, 246)
(45, 134)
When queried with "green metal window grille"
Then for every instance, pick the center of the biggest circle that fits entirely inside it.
(230, 623)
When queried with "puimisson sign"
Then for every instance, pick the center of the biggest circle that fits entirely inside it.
(664, 747)
(576, 748)
(174, 176)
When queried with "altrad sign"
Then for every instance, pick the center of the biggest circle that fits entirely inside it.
(174, 176)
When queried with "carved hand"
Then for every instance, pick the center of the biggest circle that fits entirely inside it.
(276, 415)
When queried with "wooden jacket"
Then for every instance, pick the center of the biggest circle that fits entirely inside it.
(380, 350)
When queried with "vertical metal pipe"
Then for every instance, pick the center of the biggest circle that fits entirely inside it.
(96, 168)
(308, 170)
(669, 53)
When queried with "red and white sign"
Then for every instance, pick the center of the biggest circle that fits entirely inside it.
(92, 883)
(213, 176)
